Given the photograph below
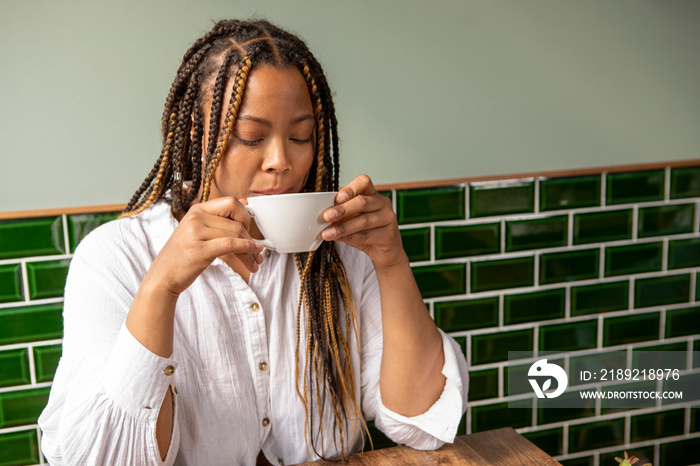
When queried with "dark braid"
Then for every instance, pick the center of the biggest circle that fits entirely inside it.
(185, 169)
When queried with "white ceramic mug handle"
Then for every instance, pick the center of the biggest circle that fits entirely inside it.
(264, 242)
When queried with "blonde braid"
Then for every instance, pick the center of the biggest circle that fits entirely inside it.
(320, 133)
(229, 122)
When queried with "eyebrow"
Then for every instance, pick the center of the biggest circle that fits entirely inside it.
(268, 123)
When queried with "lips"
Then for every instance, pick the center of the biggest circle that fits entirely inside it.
(271, 191)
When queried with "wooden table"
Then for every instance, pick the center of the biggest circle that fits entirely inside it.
(495, 447)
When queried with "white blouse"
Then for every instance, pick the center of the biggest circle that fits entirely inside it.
(232, 367)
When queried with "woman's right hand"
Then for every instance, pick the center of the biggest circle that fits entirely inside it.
(208, 230)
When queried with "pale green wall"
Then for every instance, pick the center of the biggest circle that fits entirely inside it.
(425, 90)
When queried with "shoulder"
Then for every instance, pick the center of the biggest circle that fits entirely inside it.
(129, 238)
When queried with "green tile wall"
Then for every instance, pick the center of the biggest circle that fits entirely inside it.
(587, 271)
(35, 255)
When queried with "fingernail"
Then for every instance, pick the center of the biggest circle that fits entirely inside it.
(328, 233)
(342, 196)
(331, 214)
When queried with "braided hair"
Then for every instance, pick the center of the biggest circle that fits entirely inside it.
(182, 172)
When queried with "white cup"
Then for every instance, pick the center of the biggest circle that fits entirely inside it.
(291, 222)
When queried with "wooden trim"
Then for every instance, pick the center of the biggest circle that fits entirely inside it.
(388, 186)
(545, 174)
(97, 209)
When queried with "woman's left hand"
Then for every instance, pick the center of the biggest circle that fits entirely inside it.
(364, 219)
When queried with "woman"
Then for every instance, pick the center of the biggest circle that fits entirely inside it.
(187, 343)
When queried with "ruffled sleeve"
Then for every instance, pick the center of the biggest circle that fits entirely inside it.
(108, 389)
(438, 425)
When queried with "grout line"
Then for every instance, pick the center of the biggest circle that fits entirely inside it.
(667, 184)
(38, 438)
(603, 188)
(693, 286)
(635, 222)
(662, 324)
(664, 254)
(66, 240)
(32, 365)
(630, 298)
(467, 198)
(696, 219)
(537, 195)
(24, 387)
(25, 282)
(601, 263)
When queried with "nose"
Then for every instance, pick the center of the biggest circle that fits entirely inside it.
(276, 158)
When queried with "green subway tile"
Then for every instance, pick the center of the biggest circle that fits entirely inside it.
(513, 414)
(535, 234)
(10, 283)
(624, 188)
(454, 316)
(594, 363)
(19, 448)
(623, 405)
(570, 192)
(594, 435)
(671, 289)
(483, 384)
(685, 182)
(630, 329)
(682, 322)
(462, 342)
(379, 439)
(550, 441)
(416, 243)
(430, 205)
(645, 454)
(666, 220)
(528, 307)
(22, 407)
(501, 198)
(516, 380)
(467, 240)
(494, 347)
(47, 279)
(637, 258)
(687, 384)
(681, 453)
(14, 367)
(568, 266)
(500, 274)
(31, 237)
(33, 323)
(664, 356)
(684, 253)
(581, 461)
(80, 225)
(602, 226)
(579, 408)
(657, 425)
(594, 299)
(696, 353)
(441, 280)
(569, 336)
(46, 361)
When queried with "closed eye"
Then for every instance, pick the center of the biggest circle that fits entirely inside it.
(301, 141)
(248, 142)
